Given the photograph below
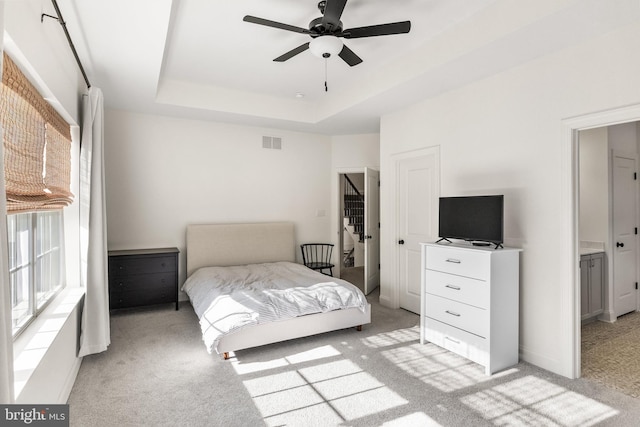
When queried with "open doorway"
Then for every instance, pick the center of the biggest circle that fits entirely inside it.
(352, 235)
(608, 222)
(359, 235)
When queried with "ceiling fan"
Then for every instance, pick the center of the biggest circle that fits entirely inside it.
(326, 31)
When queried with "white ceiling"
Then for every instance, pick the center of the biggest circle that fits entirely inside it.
(198, 59)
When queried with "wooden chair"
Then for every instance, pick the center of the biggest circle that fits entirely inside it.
(317, 256)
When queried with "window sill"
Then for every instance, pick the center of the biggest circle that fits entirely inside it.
(32, 345)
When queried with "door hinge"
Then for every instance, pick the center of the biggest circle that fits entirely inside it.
(635, 176)
(636, 230)
(636, 285)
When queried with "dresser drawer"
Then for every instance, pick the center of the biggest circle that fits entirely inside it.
(468, 263)
(144, 283)
(127, 265)
(467, 345)
(459, 288)
(137, 297)
(454, 313)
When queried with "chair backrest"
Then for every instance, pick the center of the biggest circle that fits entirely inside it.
(316, 252)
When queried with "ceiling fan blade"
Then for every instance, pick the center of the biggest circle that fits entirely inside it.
(333, 11)
(292, 53)
(349, 57)
(377, 30)
(274, 24)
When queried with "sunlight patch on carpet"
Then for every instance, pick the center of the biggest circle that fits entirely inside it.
(368, 403)
(533, 401)
(439, 368)
(323, 394)
(317, 353)
(386, 339)
(416, 419)
(327, 371)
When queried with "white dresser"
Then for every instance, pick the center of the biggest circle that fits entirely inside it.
(470, 302)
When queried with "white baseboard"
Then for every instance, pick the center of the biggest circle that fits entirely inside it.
(65, 392)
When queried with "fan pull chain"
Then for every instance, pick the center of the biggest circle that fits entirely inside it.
(326, 88)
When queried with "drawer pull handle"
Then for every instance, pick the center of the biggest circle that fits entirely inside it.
(455, 288)
(452, 313)
(453, 260)
(452, 340)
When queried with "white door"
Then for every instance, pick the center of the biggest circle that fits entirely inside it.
(371, 230)
(418, 190)
(625, 221)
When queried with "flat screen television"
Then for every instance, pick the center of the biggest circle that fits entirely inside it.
(477, 219)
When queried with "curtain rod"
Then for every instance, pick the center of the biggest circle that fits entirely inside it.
(66, 32)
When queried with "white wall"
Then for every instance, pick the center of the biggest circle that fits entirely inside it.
(594, 186)
(623, 137)
(504, 134)
(45, 47)
(163, 173)
(41, 49)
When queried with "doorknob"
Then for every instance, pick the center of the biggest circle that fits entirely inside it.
(619, 245)
(401, 242)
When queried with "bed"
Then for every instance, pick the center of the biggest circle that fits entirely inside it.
(239, 253)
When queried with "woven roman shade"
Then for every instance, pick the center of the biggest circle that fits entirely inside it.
(37, 146)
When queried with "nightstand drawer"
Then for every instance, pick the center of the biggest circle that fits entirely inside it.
(458, 288)
(462, 262)
(462, 316)
(127, 265)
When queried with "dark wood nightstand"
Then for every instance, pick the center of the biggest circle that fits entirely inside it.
(143, 277)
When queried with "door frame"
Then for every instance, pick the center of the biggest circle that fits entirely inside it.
(372, 241)
(570, 365)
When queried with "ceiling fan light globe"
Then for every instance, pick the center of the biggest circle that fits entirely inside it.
(325, 45)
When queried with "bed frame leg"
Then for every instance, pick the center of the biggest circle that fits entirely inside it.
(359, 328)
(225, 355)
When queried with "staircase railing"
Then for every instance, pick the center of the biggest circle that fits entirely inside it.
(354, 206)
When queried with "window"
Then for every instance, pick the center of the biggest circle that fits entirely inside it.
(37, 169)
(35, 263)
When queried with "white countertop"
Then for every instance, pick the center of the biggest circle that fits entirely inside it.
(590, 251)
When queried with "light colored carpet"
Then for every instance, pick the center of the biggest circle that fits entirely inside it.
(157, 373)
(611, 353)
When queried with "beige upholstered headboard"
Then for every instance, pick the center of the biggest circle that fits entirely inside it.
(238, 244)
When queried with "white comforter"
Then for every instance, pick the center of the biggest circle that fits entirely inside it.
(228, 298)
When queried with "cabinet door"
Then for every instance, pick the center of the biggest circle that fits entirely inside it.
(585, 264)
(596, 300)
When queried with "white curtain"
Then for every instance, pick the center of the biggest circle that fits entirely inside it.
(95, 336)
